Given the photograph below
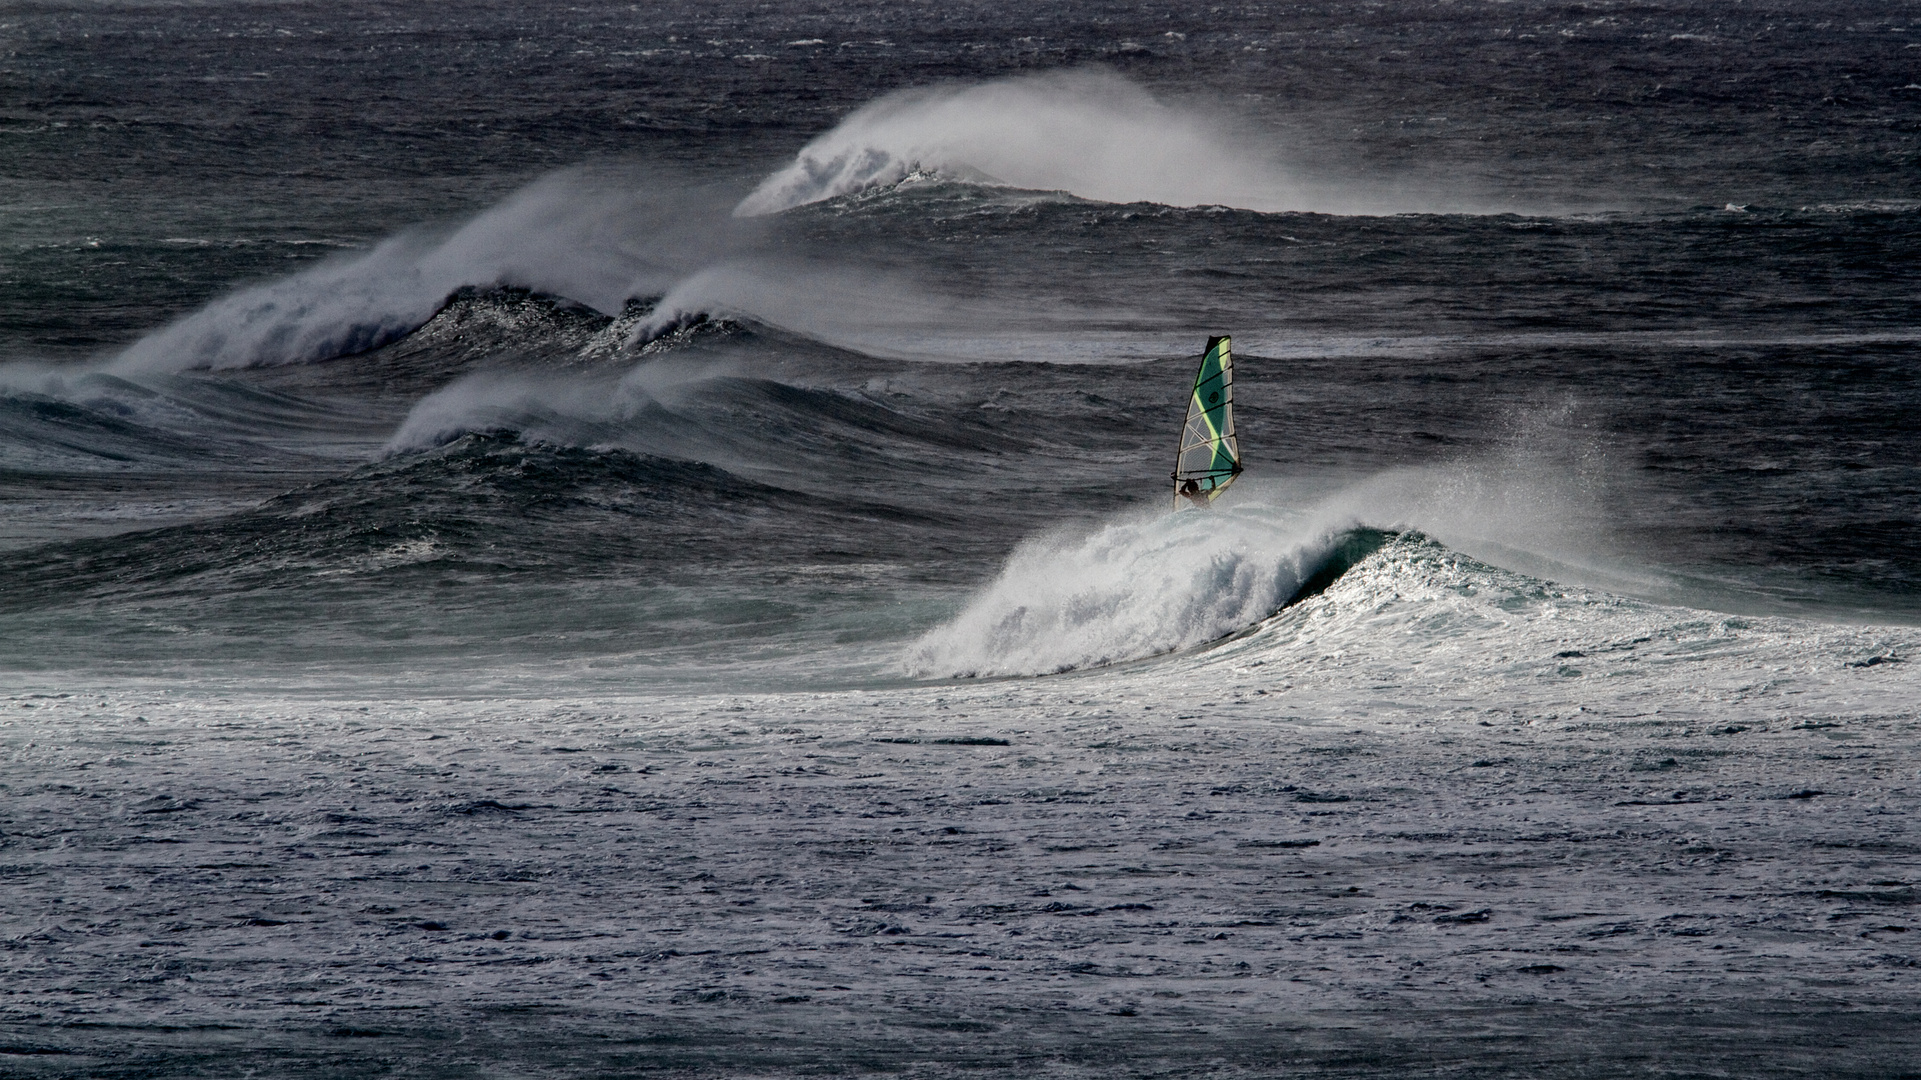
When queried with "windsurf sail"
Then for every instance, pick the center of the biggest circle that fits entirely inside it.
(1210, 455)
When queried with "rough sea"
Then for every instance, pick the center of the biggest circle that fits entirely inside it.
(605, 539)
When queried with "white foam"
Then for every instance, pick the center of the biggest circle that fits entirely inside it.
(1131, 588)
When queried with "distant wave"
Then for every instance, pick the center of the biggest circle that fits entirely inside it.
(576, 410)
(467, 504)
(1093, 134)
(705, 406)
(573, 236)
(593, 241)
(840, 304)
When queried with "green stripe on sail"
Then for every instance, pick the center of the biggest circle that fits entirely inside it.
(1211, 402)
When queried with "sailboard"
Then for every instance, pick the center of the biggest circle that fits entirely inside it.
(1210, 456)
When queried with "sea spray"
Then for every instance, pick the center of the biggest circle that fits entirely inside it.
(1128, 589)
(1143, 585)
(1091, 133)
(640, 409)
(592, 239)
(838, 303)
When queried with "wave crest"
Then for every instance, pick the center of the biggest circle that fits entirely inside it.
(1093, 134)
(597, 241)
(1129, 589)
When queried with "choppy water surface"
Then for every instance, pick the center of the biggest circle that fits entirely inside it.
(610, 390)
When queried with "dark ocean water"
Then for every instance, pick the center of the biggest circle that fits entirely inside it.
(500, 348)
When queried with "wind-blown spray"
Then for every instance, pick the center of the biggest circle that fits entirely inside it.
(593, 240)
(1093, 134)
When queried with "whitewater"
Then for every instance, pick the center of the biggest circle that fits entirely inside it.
(559, 543)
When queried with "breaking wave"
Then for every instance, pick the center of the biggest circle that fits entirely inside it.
(1092, 134)
(573, 236)
(1139, 587)
(1129, 589)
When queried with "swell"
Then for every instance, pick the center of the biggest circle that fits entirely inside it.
(822, 434)
(61, 423)
(484, 509)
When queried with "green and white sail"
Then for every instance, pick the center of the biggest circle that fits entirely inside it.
(1210, 454)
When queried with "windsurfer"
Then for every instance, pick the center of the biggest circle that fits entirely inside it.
(1209, 451)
